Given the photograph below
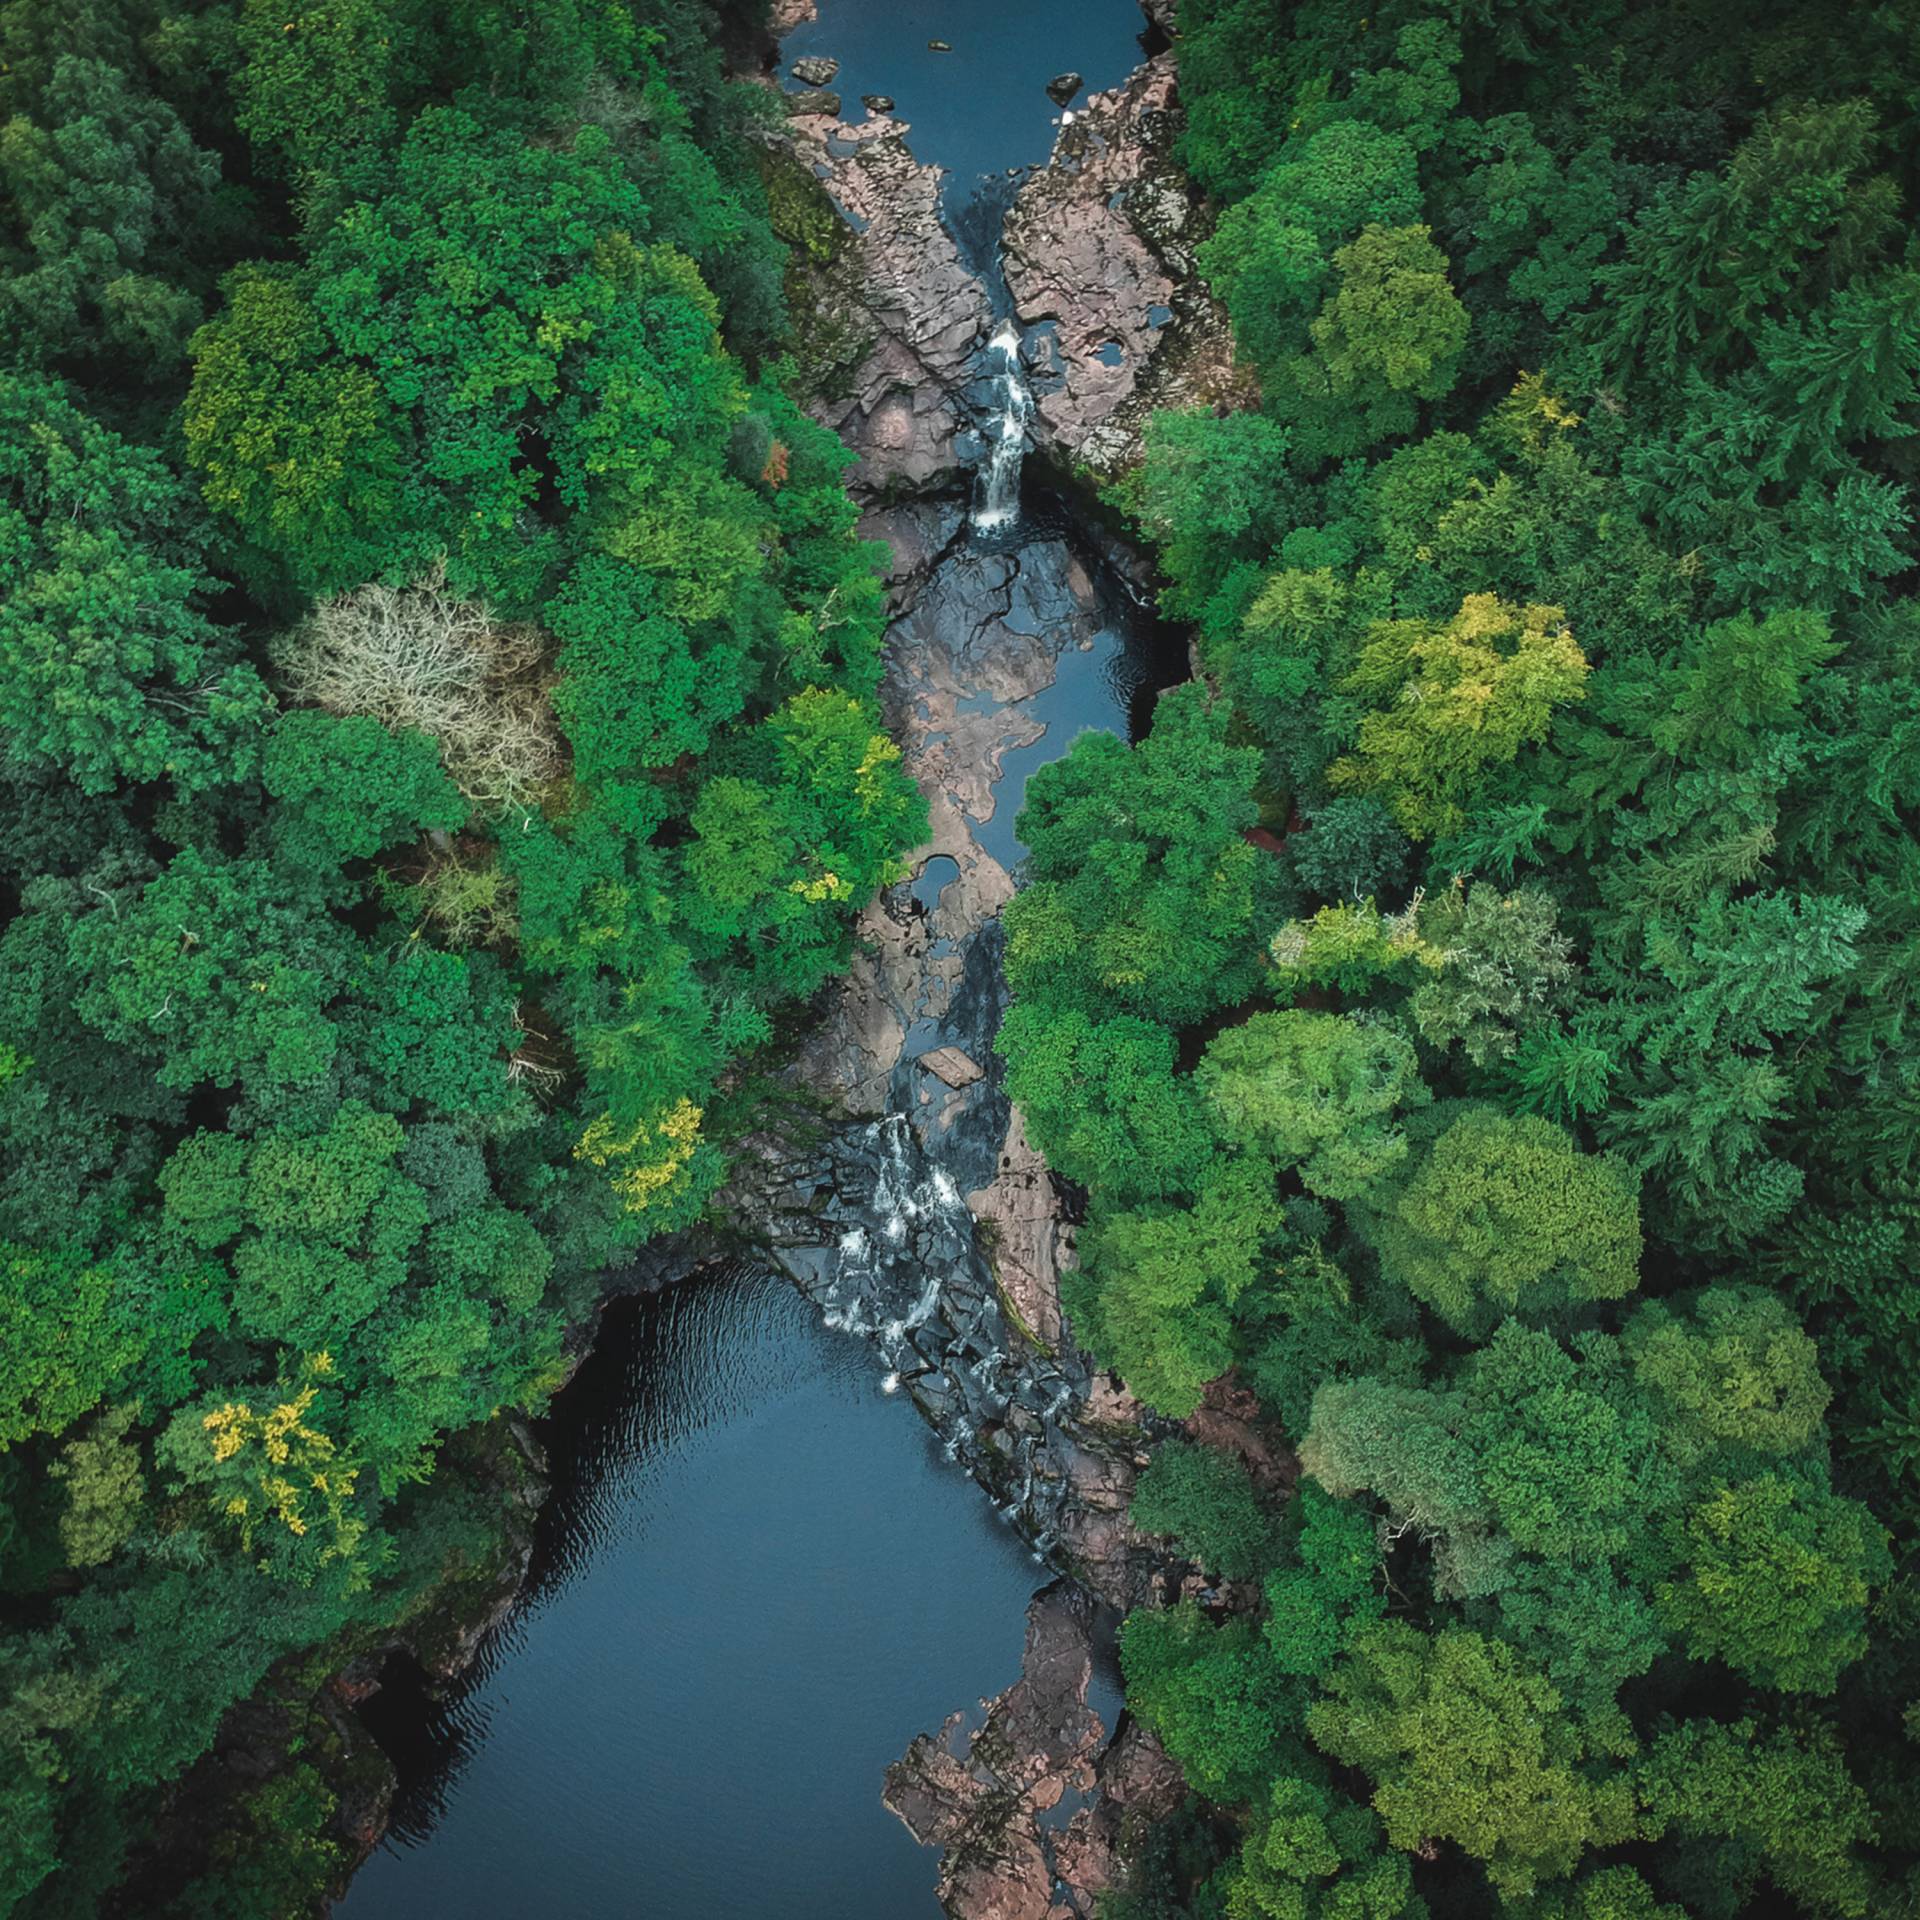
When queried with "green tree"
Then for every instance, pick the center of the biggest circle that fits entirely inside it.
(110, 199)
(1778, 1804)
(1316, 1606)
(1388, 335)
(349, 787)
(1213, 1694)
(1774, 1578)
(1502, 961)
(110, 668)
(218, 969)
(1142, 888)
(1505, 1214)
(1155, 1288)
(1445, 703)
(1202, 1498)
(1315, 1092)
(1102, 1101)
(297, 447)
(1734, 1370)
(1466, 1743)
(66, 1346)
(1313, 1855)
(100, 1477)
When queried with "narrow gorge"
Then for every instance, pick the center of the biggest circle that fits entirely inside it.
(999, 335)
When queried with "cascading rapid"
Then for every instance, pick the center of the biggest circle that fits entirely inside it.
(997, 489)
(906, 1273)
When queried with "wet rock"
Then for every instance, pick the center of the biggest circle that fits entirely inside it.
(900, 293)
(877, 102)
(1039, 1742)
(983, 1801)
(1099, 243)
(909, 1032)
(1022, 1212)
(1063, 86)
(814, 103)
(815, 70)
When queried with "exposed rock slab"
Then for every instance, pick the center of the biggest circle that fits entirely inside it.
(1099, 246)
(906, 293)
(983, 1799)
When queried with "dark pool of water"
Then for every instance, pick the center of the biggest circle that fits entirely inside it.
(1109, 687)
(757, 1579)
(983, 107)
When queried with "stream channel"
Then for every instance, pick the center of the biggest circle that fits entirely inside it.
(761, 1571)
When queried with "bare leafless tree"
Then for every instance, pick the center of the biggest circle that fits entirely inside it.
(424, 656)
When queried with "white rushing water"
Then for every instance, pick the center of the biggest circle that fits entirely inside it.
(998, 494)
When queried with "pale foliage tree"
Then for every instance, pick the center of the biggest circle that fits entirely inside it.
(424, 656)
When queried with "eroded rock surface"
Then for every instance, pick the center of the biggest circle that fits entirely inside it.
(918, 315)
(1099, 251)
(986, 1800)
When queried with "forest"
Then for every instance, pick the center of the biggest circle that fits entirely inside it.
(1482, 1012)
(436, 683)
(440, 758)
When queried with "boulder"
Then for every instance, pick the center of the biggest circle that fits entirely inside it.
(814, 101)
(815, 70)
(939, 46)
(881, 103)
(1063, 86)
(954, 1068)
(1039, 1743)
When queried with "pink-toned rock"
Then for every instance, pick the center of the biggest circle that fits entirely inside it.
(903, 290)
(1026, 1234)
(789, 14)
(1100, 244)
(1040, 1742)
(1229, 1417)
(955, 1068)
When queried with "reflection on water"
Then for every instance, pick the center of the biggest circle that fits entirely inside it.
(755, 1581)
(1108, 686)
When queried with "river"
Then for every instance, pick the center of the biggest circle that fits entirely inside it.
(759, 1573)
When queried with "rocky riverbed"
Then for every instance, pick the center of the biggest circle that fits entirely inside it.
(929, 1222)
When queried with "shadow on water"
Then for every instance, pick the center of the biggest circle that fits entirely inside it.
(756, 1579)
(1108, 685)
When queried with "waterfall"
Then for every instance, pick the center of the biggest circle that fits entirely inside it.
(998, 494)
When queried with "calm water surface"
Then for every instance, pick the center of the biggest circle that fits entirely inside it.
(757, 1580)
(983, 107)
